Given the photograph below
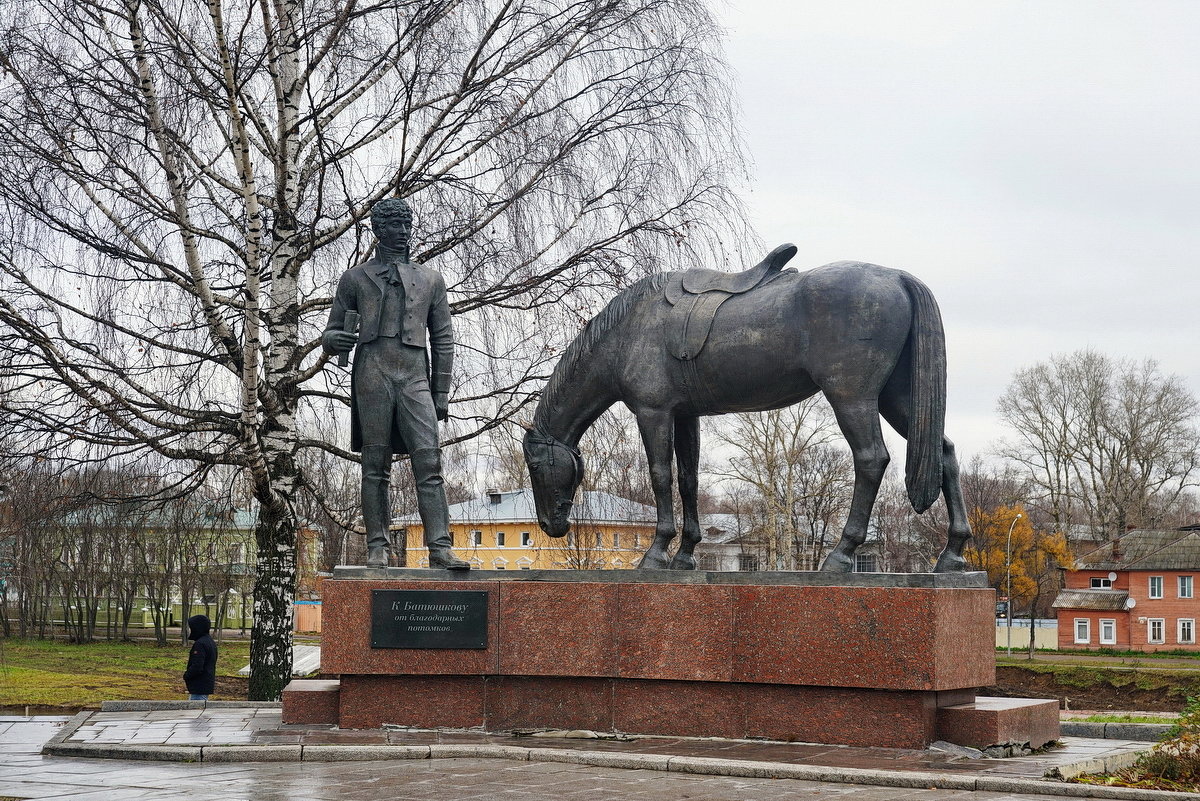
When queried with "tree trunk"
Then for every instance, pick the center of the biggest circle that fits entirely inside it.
(274, 593)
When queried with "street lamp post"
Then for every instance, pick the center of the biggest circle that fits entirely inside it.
(1008, 568)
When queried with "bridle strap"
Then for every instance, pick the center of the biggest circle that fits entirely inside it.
(541, 438)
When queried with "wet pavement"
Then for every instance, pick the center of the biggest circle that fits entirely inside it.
(263, 726)
(520, 775)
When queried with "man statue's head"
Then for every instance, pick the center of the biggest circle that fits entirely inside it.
(391, 220)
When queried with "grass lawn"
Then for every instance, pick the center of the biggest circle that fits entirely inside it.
(1127, 719)
(56, 674)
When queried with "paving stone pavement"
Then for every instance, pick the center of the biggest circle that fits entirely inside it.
(25, 773)
(246, 726)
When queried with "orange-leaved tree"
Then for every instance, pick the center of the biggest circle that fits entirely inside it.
(1036, 556)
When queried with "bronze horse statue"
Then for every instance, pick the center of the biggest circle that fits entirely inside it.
(676, 346)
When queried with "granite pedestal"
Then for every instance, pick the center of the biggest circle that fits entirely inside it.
(859, 659)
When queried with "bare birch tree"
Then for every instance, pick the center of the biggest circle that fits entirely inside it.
(1106, 443)
(184, 180)
(801, 479)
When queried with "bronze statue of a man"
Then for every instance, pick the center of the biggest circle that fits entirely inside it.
(396, 398)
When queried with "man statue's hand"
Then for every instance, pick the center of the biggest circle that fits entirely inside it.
(441, 405)
(339, 341)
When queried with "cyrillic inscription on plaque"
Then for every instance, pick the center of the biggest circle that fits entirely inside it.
(428, 619)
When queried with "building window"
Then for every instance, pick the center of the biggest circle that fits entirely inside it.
(599, 539)
(526, 539)
(1083, 631)
(1185, 586)
(1155, 630)
(616, 539)
(1186, 630)
(476, 537)
(1101, 583)
(1108, 632)
(747, 562)
(865, 563)
(499, 539)
(637, 541)
(1156, 587)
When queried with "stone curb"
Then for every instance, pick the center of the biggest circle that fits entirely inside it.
(361, 753)
(251, 753)
(156, 753)
(148, 706)
(1142, 732)
(69, 728)
(159, 706)
(1106, 764)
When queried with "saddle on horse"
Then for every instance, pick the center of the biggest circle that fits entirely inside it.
(695, 295)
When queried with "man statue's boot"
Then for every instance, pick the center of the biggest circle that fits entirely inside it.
(376, 506)
(431, 505)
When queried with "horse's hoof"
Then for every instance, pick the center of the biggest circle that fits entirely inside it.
(837, 563)
(683, 562)
(653, 563)
(950, 563)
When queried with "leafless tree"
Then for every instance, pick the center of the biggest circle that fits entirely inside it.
(800, 474)
(29, 545)
(903, 542)
(184, 180)
(578, 550)
(615, 459)
(1104, 442)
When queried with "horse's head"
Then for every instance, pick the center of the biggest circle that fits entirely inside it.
(555, 470)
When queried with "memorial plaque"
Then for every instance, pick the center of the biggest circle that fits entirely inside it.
(429, 619)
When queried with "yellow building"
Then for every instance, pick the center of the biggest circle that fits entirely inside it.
(500, 532)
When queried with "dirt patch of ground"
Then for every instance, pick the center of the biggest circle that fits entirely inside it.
(231, 688)
(1097, 689)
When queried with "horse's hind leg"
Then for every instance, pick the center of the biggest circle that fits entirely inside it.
(951, 559)
(687, 455)
(657, 430)
(895, 405)
(859, 420)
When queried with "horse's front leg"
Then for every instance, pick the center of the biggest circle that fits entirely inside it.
(687, 455)
(657, 430)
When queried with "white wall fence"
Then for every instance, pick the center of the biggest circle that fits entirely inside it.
(1045, 633)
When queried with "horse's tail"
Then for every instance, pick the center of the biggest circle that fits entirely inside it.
(927, 424)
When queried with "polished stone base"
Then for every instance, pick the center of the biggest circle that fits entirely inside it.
(311, 701)
(1000, 721)
(777, 656)
(838, 715)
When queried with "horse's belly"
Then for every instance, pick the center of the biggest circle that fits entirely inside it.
(737, 379)
(754, 357)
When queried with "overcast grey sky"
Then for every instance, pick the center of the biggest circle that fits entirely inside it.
(1036, 163)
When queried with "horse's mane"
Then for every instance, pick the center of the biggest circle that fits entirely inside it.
(579, 349)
